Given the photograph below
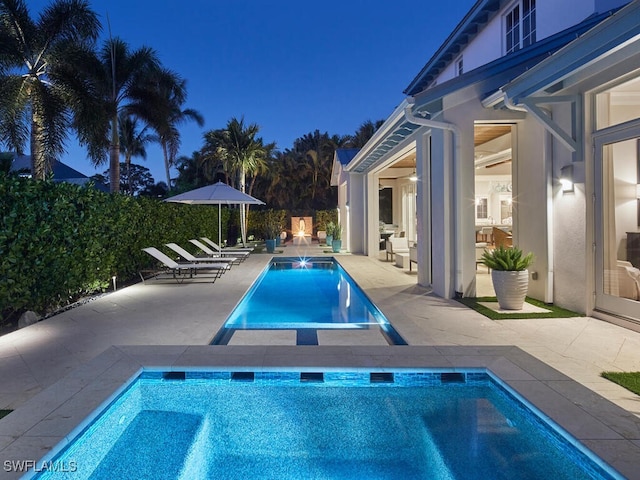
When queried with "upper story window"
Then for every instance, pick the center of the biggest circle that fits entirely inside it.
(459, 67)
(520, 25)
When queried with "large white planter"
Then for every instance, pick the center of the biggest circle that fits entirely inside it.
(511, 288)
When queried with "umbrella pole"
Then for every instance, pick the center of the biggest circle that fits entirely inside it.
(219, 227)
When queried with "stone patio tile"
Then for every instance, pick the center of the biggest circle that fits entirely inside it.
(563, 411)
(622, 455)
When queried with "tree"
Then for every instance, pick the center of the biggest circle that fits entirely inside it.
(38, 93)
(240, 152)
(122, 81)
(132, 144)
(363, 134)
(136, 177)
(166, 114)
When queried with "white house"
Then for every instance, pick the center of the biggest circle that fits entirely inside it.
(520, 94)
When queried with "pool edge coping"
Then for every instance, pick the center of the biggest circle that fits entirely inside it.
(56, 413)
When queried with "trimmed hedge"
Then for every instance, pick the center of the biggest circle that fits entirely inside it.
(59, 241)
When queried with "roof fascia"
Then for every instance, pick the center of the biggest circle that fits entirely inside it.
(482, 8)
(610, 35)
(501, 71)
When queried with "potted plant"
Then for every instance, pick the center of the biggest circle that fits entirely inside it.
(509, 275)
(336, 243)
(271, 231)
(330, 228)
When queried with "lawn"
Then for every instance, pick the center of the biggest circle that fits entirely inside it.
(554, 312)
(629, 380)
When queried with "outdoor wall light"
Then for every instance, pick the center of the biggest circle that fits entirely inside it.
(413, 177)
(566, 178)
(638, 191)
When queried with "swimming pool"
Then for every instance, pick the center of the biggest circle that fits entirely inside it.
(306, 295)
(325, 424)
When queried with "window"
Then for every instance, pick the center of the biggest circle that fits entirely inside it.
(459, 67)
(482, 208)
(520, 26)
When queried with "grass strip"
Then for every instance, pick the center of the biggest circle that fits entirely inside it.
(629, 380)
(554, 312)
(4, 413)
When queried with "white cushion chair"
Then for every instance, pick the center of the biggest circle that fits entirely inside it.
(396, 245)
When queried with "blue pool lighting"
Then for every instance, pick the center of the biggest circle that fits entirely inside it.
(415, 423)
(306, 295)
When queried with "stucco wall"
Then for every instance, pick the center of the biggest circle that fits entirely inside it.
(569, 232)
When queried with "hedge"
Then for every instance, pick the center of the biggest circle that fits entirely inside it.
(59, 241)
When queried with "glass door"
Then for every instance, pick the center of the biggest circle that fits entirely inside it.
(617, 187)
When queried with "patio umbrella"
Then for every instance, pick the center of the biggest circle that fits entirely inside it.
(217, 194)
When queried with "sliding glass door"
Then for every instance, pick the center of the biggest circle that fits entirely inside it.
(617, 176)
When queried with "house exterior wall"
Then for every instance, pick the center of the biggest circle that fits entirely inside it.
(571, 255)
(558, 227)
(552, 16)
(356, 229)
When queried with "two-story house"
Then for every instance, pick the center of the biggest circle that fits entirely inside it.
(521, 95)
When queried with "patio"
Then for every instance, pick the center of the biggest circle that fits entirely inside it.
(189, 314)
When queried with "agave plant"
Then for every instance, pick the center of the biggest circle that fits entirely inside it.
(510, 259)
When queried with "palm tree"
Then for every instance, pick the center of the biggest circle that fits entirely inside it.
(316, 151)
(241, 152)
(132, 143)
(166, 113)
(37, 92)
(121, 80)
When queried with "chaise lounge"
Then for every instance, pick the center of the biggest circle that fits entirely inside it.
(180, 270)
(240, 255)
(224, 251)
(193, 259)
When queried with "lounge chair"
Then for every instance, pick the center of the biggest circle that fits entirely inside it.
(215, 246)
(179, 270)
(241, 255)
(192, 258)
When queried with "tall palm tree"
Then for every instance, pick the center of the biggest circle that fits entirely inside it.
(121, 79)
(164, 109)
(37, 92)
(132, 143)
(239, 148)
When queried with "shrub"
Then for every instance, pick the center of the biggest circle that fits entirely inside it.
(59, 241)
(510, 259)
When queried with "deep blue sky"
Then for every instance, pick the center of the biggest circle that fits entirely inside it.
(291, 66)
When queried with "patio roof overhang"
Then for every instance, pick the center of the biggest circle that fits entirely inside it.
(395, 130)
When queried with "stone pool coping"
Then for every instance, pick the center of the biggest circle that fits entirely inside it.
(55, 414)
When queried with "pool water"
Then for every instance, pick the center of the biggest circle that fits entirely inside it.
(305, 295)
(333, 425)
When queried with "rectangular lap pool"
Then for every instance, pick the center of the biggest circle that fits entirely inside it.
(325, 424)
(305, 295)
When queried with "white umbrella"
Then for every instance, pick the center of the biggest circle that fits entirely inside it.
(217, 194)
